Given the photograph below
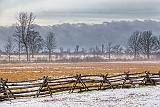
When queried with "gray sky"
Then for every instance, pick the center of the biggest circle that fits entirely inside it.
(49, 12)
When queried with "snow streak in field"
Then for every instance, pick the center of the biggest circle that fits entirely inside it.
(137, 97)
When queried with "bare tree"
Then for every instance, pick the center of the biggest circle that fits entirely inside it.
(134, 44)
(17, 37)
(117, 49)
(9, 48)
(50, 43)
(61, 52)
(102, 49)
(23, 28)
(83, 52)
(68, 51)
(158, 47)
(0, 52)
(97, 50)
(92, 52)
(148, 43)
(77, 49)
(109, 47)
(36, 42)
(61, 49)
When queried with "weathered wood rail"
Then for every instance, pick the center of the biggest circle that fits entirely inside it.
(48, 86)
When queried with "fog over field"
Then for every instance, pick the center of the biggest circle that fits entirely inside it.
(89, 35)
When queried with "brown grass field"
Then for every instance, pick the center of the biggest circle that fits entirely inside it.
(15, 72)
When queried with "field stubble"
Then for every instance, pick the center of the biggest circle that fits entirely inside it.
(14, 72)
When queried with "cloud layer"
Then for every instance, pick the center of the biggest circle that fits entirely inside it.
(90, 11)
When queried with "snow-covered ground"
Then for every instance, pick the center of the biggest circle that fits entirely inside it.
(133, 97)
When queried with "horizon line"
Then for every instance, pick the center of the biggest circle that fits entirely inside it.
(90, 23)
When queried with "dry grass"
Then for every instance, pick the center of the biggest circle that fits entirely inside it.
(15, 72)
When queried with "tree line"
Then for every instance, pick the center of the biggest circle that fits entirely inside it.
(143, 43)
(28, 41)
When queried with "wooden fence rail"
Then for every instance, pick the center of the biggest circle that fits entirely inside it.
(48, 86)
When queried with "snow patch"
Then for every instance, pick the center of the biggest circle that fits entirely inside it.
(137, 97)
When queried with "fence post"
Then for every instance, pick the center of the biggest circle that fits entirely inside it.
(5, 88)
(147, 79)
(105, 80)
(78, 80)
(159, 73)
(44, 84)
(127, 78)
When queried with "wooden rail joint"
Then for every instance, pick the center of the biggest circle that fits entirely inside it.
(127, 75)
(78, 80)
(127, 78)
(44, 84)
(105, 80)
(6, 90)
(147, 80)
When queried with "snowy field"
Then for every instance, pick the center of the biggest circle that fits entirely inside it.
(133, 97)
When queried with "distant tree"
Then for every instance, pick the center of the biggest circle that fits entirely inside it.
(92, 51)
(68, 50)
(109, 47)
(50, 43)
(36, 42)
(103, 49)
(23, 31)
(17, 37)
(0, 52)
(9, 48)
(148, 43)
(61, 49)
(134, 44)
(83, 52)
(77, 49)
(158, 47)
(117, 49)
(97, 50)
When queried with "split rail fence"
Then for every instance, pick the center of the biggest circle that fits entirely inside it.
(45, 86)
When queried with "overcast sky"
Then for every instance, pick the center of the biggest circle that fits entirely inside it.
(49, 12)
